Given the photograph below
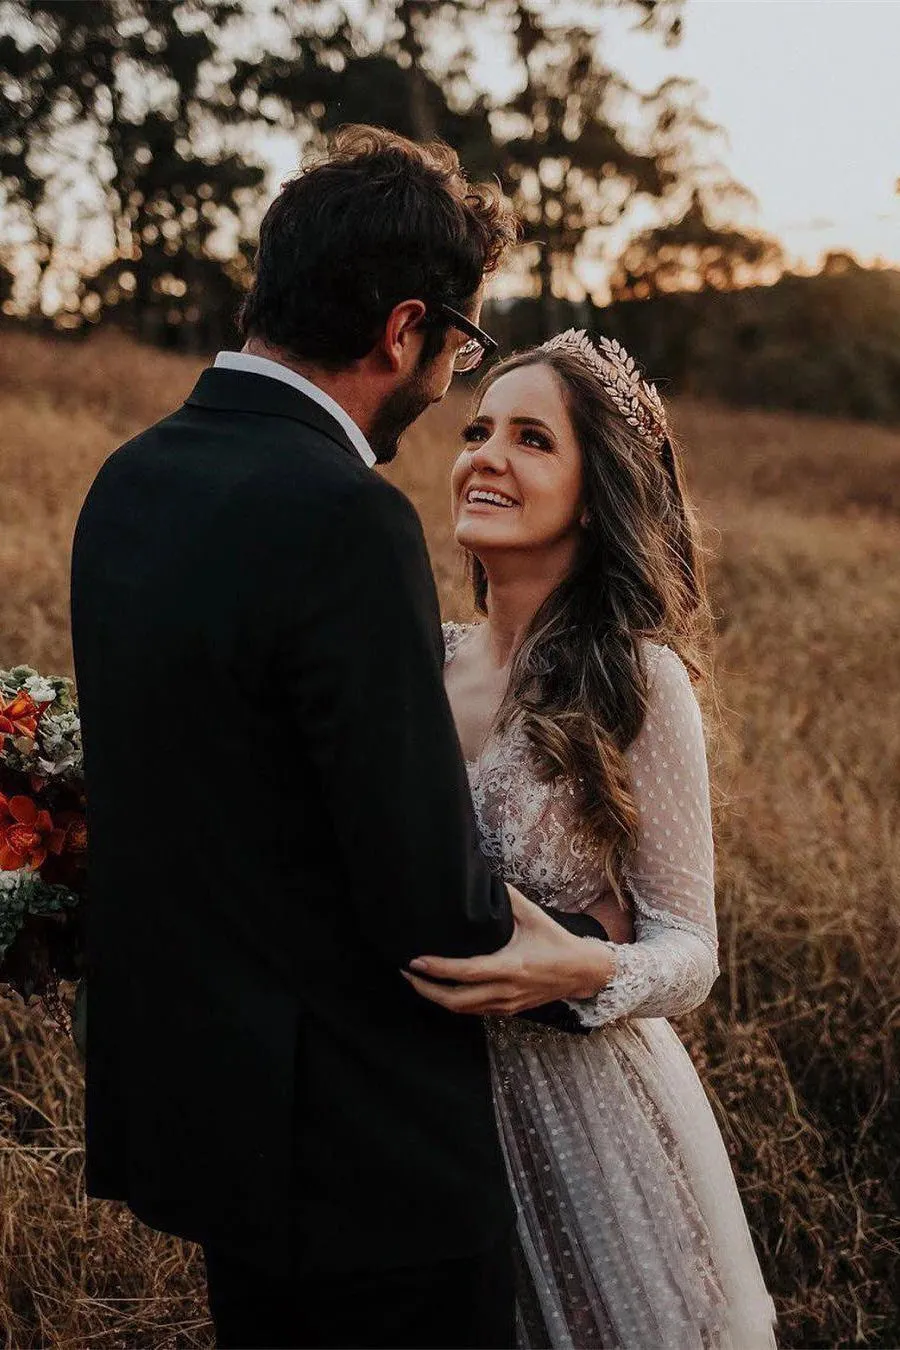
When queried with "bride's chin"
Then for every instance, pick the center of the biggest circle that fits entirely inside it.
(471, 541)
(474, 537)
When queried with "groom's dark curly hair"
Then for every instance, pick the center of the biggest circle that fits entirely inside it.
(379, 220)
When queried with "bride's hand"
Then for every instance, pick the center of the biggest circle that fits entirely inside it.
(540, 963)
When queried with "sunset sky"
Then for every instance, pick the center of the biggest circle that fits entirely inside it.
(809, 92)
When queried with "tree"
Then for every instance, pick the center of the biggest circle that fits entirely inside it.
(565, 165)
(578, 145)
(374, 64)
(154, 109)
(123, 90)
(558, 146)
(839, 262)
(693, 254)
(7, 285)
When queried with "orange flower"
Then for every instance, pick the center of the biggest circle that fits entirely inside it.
(73, 825)
(27, 834)
(19, 717)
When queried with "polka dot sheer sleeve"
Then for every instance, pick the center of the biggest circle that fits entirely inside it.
(672, 964)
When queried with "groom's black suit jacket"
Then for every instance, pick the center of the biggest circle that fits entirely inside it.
(279, 820)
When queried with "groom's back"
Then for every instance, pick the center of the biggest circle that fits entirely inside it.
(256, 1066)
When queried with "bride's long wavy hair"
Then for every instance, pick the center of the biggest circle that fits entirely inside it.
(578, 684)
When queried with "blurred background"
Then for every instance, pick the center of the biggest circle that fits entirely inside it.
(728, 164)
(715, 183)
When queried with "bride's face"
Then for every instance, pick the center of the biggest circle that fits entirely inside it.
(522, 452)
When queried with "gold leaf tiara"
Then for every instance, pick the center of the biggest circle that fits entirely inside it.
(637, 401)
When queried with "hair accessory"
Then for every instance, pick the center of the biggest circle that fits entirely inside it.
(637, 401)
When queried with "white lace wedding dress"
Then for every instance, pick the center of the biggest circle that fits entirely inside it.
(631, 1231)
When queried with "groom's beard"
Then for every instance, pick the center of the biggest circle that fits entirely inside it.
(397, 414)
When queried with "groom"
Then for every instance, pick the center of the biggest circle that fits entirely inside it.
(279, 812)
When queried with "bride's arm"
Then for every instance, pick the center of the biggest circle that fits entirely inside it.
(671, 966)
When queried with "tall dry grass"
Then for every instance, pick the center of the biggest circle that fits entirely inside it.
(797, 1046)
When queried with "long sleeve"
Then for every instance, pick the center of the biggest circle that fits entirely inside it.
(672, 964)
(360, 660)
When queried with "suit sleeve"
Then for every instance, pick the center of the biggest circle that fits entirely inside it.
(361, 652)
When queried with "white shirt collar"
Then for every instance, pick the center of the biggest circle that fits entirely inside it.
(261, 365)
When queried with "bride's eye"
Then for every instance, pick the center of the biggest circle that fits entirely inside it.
(475, 431)
(537, 439)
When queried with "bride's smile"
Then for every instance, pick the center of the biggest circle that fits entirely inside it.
(517, 483)
(477, 496)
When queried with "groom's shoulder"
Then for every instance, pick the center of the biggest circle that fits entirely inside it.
(360, 525)
(286, 478)
(361, 503)
(333, 494)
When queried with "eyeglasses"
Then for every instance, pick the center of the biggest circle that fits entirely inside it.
(480, 344)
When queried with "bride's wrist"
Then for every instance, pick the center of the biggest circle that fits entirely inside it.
(595, 967)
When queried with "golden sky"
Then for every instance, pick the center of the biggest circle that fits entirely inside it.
(809, 93)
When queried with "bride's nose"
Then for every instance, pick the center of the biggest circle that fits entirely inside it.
(490, 455)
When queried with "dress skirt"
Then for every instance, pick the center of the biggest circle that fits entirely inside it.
(631, 1232)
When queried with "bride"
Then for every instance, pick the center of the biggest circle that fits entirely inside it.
(584, 745)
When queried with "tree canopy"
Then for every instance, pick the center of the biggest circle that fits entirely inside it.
(692, 253)
(113, 142)
(133, 135)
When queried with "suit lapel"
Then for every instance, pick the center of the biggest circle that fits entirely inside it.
(231, 391)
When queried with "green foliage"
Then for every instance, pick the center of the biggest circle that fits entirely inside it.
(573, 145)
(157, 112)
(21, 677)
(692, 253)
(7, 285)
(579, 144)
(114, 99)
(56, 751)
(24, 894)
(13, 907)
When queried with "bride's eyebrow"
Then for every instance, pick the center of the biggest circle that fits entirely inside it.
(530, 422)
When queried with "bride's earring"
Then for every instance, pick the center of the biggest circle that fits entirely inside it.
(585, 519)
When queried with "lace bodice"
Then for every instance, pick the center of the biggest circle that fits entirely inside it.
(530, 837)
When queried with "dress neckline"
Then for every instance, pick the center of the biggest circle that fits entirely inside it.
(463, 632)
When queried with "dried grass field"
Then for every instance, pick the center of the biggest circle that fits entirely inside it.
(797, 1046)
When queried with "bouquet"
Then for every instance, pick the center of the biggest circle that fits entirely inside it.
(43, 838)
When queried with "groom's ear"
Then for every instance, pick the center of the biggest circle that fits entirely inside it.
(403, 335)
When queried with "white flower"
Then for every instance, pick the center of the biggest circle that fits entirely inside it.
(41, 690)
(53, 768)
(59, 725)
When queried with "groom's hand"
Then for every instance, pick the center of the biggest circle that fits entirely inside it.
(540, 963)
